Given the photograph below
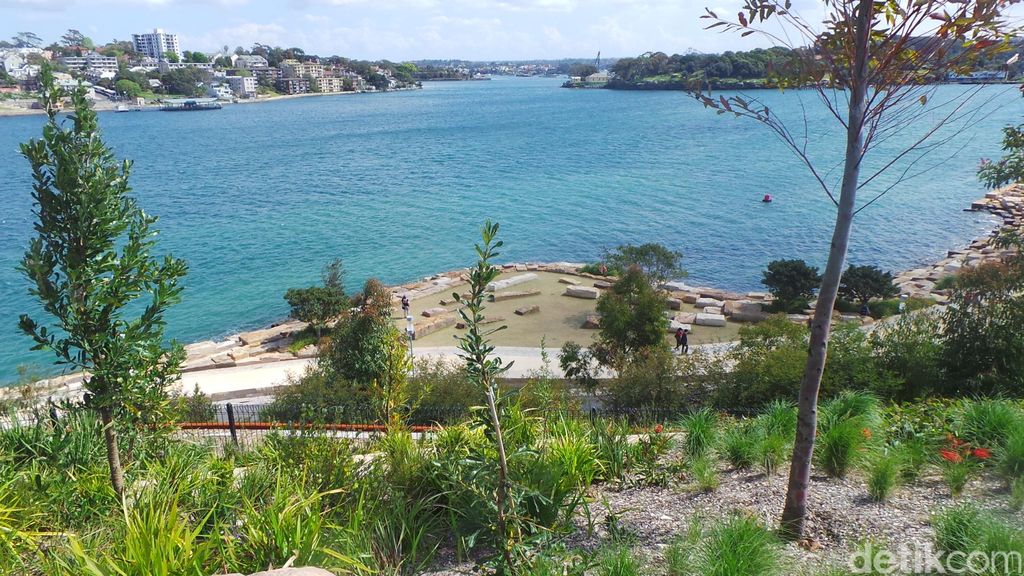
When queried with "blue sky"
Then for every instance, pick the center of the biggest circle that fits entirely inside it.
(394, 29)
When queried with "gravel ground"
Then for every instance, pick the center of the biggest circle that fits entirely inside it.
(841, 514)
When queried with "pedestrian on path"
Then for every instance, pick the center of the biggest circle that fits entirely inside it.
(405, 304)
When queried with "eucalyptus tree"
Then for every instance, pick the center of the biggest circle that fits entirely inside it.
(91, 268)
(871, 64)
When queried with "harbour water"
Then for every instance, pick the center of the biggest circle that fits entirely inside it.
(258, 197)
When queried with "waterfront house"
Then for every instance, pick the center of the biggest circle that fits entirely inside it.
(329, 84)
(267, 74)
(242, 86)
(220, 91)
(166, 66)
(296, 69)
(91, 61)
(293, 85)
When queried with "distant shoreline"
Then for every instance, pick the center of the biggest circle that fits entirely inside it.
(7, 110)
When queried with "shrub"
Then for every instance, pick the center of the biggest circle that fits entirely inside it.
(657, 262)
(632, 318)
(914, 455)
(908, 348)
(447, 386)
(313, 395)
(701, 433)
(649, 379)
(864, 283)
(884, 475)
(578, 365)
(739, 545)
(771, 451)
(957, 475)
(988, 423)
(792, 282)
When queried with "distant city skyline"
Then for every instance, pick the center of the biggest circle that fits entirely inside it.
(400, 29)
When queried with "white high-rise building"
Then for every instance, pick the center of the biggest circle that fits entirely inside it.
(157, 44)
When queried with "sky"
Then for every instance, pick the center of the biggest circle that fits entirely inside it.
(399, 29)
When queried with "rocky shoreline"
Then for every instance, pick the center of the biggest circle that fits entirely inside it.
(275, 343)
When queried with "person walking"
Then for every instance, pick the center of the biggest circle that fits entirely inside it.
(684, 342)
(405, 304)
(680, 334)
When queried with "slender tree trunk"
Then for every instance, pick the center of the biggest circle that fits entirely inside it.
(794, 514)
(113, 453)
(502, 496)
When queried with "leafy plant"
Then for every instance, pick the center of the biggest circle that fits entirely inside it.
(884, 475)
(90, 267)
(863, 283)
(702, 470)
(701, 433)
(792, 282)
(657, 262)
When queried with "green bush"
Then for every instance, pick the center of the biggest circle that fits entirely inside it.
(738, 446)
(646, 380)
(700, 431)
(705, 475)
(618, 561)
(884, 474)
(792, 282)
(846, 430)
(988, 423)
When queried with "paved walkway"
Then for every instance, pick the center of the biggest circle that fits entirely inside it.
(249, 381)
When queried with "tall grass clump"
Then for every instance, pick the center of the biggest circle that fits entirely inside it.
(885, 471)
(618, 560)
(737, 546)
(738, 446)
(701, 430)
(703, 472)
(988, 423)
(846, 430)
(1010, 458)
(965, 529)
(611, 438)
(1017, 494)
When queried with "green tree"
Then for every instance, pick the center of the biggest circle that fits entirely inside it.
(582, 70)
(91, 269)
(792, 282)
(357, 351)
(658, 263)
(632, 318)
(862, 283)
(172, 57)
(128, 88)
(983, 326)
(27, 40)
(1010, 168)
(318, 305)
(73, 38)
(883, 58)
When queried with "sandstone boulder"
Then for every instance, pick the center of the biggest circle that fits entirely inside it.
(569, 281)
(527, 310)
(673, 326)
(509, 295)
(602, 284)
(685, 318)
(704, 302)
(704, 319)
(593, 322)
(690, 297)
(309, 351)
(712, 309)
(744, 311)
(513, 281)
(674, 303)
(434, 312)
(434, 324)
(585, 292)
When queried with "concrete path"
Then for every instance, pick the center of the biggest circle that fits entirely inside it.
(255, 380)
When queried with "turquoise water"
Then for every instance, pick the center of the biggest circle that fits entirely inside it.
(258, 197)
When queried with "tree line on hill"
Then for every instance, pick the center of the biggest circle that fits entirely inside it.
(753, 68)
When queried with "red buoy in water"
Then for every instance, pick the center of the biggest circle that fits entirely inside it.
(767, 198)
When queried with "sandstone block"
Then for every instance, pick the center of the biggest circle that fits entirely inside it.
(690, 297)
(509, 282)
(744, 311)
(685, 318)
(602, 284)
(713, 310)
(434, 312)
(569, 281)
(585, 292)
(309, 351)
(673, 326)
(593, 322)
(674, 303)
(716, 320)
(434, 324)
(509, 295)
(704, 302)
(527, 310)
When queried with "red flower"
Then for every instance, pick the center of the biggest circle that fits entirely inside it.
(866, 433)
(982, 453)
(951, 455)
(658, 429)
